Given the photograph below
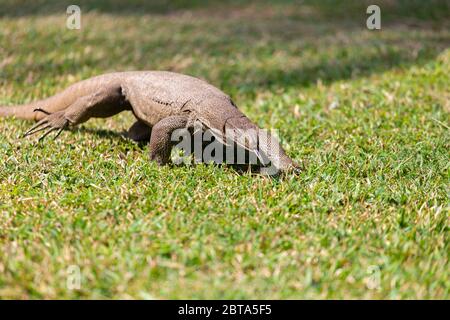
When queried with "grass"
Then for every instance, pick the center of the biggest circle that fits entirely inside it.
(366, 111)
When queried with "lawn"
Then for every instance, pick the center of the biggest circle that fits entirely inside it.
(367, 112)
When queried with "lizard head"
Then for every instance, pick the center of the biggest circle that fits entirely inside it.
(263, 143)
(233, 127)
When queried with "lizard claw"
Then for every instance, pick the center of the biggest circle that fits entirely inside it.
(41, 110)
(36, 128)
(52, 122)
(53, 129)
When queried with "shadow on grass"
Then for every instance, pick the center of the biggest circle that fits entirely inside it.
(325, 71)
(256, 31)
(326, 9)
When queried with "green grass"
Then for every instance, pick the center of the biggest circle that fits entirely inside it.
(366, 111)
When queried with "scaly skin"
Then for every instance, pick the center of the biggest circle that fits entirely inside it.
(161, 101)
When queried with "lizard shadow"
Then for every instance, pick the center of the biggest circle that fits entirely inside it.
(102, 133)
(110, 134)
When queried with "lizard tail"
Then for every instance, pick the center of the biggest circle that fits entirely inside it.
(20, 111)
(26, 111)
(55, 103)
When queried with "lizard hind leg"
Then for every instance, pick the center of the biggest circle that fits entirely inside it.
(101, 103)
(52, 122)
(139, 132)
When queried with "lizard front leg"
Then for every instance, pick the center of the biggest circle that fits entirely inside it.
(103, 103)
(160, 141)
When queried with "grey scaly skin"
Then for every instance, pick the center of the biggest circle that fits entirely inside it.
(161, 102)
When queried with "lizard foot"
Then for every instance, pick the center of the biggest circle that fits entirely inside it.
(52, 122)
